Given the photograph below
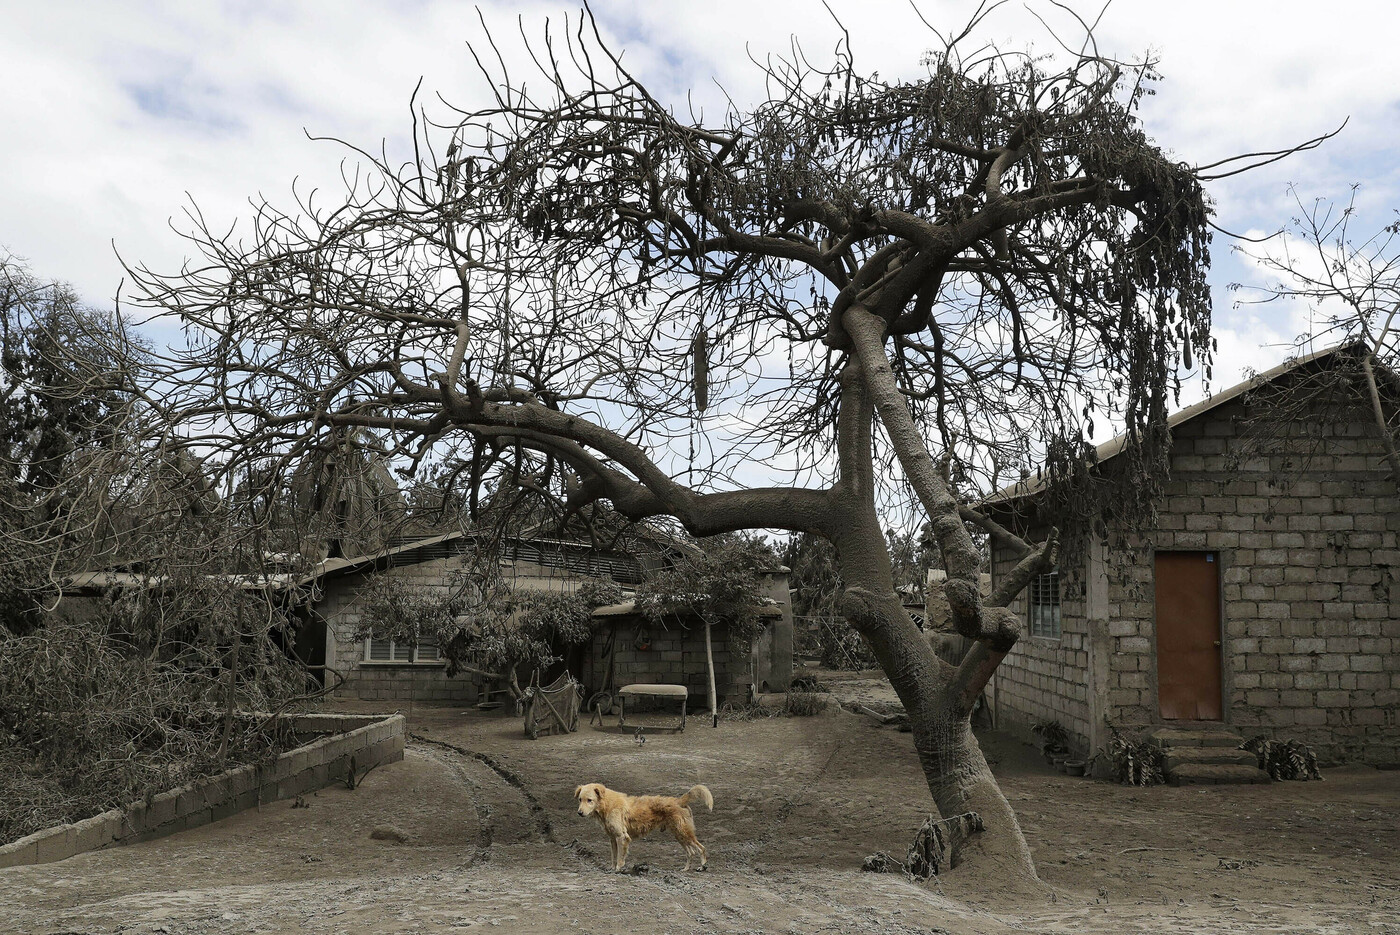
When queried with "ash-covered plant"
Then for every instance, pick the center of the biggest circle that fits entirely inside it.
(1136, 762)
(816, 597)
(720, 582)
(482, 625)
(1284, 759)
(399, 610)
(132, 699)
(802, 703)
(747, 711)
(842, 646)
(1053, 737)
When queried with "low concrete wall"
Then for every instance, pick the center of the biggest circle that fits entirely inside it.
(370, 738)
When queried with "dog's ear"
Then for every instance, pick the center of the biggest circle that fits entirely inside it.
(578, 792)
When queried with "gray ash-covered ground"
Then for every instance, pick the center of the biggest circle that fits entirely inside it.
(799, 802)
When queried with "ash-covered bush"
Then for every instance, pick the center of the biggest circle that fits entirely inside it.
(1284, 759)
(841, 647)
(101, 710)
(1136, 762)
(800, 703)
(483, 625)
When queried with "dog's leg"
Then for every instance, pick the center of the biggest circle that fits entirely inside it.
(612, 849)
(622, 846)
(695, 841)
(685, 833)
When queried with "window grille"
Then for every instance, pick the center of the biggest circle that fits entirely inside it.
(1045, 605)
(377, 650)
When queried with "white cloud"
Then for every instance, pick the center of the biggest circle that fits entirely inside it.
(114, 111)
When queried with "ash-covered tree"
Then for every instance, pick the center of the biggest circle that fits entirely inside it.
(1351, 283)
(483, 625)
(61, 376)
(63, 366)
(867, 286)
(721, 582)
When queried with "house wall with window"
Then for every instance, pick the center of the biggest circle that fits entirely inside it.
(381, 669)
(378, 669)
(1299, 519)
(1045, 677)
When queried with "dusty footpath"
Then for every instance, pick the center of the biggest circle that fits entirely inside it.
(494, 845)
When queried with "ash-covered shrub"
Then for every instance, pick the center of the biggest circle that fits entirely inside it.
(1283, 759)
(842, 647)
(746, 711)
(94, 716)
(1053, 737)
(799, 703)
(1136, 762)
(482, 625)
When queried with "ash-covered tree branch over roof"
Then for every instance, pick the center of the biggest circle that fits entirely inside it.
(1352, 285)
(865, 285)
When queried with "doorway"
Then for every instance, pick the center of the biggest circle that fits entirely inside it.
(1188, 635)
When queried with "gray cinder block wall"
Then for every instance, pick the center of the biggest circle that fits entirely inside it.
(364, 740)
(1305, 528)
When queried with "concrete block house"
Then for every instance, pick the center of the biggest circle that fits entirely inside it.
(626, 647)
(1265, 600)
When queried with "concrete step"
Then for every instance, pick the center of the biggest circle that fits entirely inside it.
(1168, 737)
(1175, 757)
(1215, 774)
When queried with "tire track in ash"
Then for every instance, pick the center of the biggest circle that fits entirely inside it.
(499, 792)
(485, 833)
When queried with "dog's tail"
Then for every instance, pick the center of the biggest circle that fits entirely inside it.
(699, 794)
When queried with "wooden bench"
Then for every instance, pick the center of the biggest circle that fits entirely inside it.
(650, 691)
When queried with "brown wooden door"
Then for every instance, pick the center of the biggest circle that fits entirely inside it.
(1188, 635)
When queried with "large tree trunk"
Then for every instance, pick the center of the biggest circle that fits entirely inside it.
(939, 718)
(937, 697)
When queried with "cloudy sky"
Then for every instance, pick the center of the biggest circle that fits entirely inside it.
(119, 114)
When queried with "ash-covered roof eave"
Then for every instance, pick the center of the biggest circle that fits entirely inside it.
(627, 608)
(96, 582)
(1110, 449)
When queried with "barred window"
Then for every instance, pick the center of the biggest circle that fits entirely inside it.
(377, 650)
(1045, 605)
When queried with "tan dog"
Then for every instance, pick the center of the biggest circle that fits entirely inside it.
(625, 817)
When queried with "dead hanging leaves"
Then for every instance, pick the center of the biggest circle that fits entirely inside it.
(700, 368)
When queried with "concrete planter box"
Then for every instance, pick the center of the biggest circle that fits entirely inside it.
(370, 738)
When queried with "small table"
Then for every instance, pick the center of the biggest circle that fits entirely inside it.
(650, 691)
